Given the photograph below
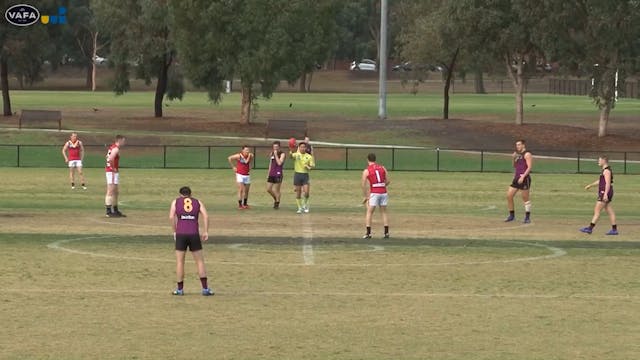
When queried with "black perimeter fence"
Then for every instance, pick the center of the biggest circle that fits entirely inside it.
(327, 158)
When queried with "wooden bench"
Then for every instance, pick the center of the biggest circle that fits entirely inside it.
(284, 129)
(40, 116)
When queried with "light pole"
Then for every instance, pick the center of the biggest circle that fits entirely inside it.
(382, 91)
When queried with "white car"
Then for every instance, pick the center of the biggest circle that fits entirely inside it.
(363, 65)
(99, 60)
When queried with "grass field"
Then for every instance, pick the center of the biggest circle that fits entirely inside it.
(357, 106)
(453, 282)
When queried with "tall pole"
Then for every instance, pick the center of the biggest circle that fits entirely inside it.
(382, 92)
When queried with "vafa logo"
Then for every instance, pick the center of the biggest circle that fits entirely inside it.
(25, 15)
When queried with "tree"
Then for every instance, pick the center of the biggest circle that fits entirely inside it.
(88, 37)
(255, 41)
(354, 20)
(509, 30)
(317, 43)
(600, 40)
(141, 39)
(23, 50)
(426, 40)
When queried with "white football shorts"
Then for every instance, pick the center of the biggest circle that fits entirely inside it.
(243, 179)
(75, 163)
(378, 199)
(113, 178)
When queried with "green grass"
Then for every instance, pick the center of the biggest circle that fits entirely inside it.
(500, 106)
(453, 282)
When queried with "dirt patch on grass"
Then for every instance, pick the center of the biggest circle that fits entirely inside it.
(477, 134)
(452, 133)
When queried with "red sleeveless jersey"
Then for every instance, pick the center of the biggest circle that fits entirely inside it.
(243, 165)
(74, 150)
(377, 178)
(113, 167)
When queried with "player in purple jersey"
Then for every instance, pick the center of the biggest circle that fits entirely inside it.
(274, 180)
(522, 162)
(184, 215)
(605, 195)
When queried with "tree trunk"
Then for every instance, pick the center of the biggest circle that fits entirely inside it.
(4, 80)
(94, 54)
(303, 82)
(89, 82)
(309, 81)
(161, 86)
(604, 120)
(478, 83)
(515, 72)
(447, 85)
(245, 112)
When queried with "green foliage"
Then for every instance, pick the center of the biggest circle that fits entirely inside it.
(259, 42)
(142, 40)
(175, 83)
(596, 45)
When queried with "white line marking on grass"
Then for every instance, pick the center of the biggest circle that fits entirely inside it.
(58, 245)
(76, 290)
(307, 238)
(487, 208)
(308, 256)
(247, 247)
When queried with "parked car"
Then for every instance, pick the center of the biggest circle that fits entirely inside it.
(99, 60)
(363, 65)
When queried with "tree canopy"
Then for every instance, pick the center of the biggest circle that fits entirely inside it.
(255, 41)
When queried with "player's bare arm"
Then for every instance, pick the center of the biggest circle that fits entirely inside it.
(592, 185)
(81, 150)
(231, 160)
(64, 151)
(279, 159)
(310, 164)
(172, 218)
(607, 184)
(205, 221)
(363, 185)
(386, 180)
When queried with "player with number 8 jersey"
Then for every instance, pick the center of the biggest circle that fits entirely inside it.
(184, 214)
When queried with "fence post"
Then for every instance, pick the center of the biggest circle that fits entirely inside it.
(437, 159)
(209, 157)
(164, 156)
(625, 163)
(393, 158)
(481, 160)
(254, 157)
(17, 155)
(346, 163)
(578, 157)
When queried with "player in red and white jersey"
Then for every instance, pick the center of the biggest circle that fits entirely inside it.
(113, 179)
(241, 165)
(75, 151)
(375, 195)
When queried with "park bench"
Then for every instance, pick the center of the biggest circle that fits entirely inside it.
(284, 129)
(45, 117)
